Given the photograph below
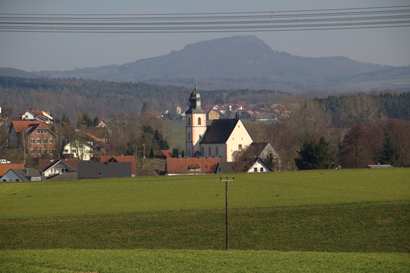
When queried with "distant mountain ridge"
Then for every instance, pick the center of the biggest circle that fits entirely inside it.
(232, 57)
(245, 58)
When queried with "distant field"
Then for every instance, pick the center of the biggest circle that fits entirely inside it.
(128, 195)
(140, 260)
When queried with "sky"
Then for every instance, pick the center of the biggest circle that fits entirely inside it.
(52, 51)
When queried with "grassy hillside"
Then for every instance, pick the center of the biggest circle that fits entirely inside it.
(128, 195)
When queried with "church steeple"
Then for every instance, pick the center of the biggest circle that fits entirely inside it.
(195, 123)
(195, 102)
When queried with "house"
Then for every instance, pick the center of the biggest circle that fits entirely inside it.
(191, 166)
(102, 124)
(212, 114)
(221, 139)
(83, 146)
(21, 175)
(35, 135)
(122, 158)
(57, 167)
(164, 154)
(4, 168)
(104, 170)
(263, 149)
(258, 166)
(36, 116)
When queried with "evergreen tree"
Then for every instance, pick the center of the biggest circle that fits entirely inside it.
(390, 154)
(314, 155)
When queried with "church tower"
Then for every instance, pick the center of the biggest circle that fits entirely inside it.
(195, 124)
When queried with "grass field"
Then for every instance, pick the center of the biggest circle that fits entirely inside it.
(128, 195)
(279, 222)
(141, 260)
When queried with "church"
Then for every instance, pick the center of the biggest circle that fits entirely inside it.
(221, 139)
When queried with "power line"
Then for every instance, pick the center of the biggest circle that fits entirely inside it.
(326, 19)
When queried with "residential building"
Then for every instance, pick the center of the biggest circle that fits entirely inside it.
(191, 166)
(37, 138)
(21, 175)
(36, 116)
(57, 167)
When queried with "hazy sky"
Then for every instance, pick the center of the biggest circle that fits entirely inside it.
(50, 51)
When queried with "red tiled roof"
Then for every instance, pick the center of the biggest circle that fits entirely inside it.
(164, 154)
(4, 168)
(32, 125)
(121, 158)
(191, 165)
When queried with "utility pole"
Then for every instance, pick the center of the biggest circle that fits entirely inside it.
(226, 208)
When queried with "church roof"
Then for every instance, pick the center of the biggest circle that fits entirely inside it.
(219, 131)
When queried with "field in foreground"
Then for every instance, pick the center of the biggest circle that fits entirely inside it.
(97, 225)
(198, 261)
(204, 192)
(353, 227)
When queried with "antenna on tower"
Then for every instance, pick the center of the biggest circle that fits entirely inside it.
(195, 83)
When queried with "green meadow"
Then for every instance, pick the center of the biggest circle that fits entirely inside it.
(305, 221)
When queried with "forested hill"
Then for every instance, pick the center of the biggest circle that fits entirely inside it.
(71, 96)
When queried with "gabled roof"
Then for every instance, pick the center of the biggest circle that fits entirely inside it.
(24, 125)
(219, 131)
(23, 175)
(164, 154)
(4, 168)
(121, 158)
(45, 164)
(191, 165)
(258, 160)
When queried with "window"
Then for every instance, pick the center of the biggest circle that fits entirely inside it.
(45, 151)
(216, 150)
(32, 151)
(38, 140)
(199, 121)
(44, 140)
(51, 150)
(189, 121)
(32, 140)
(261, 170)
(209, 151)
(189, 136)
(255, 170)
(38, 151)
(240, 146)
(51, 140)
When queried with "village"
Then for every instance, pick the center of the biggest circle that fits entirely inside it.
(209, 149)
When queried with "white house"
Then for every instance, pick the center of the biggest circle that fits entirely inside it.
(53, 167)
(258, 167)
(36, 115)
(221, 139)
